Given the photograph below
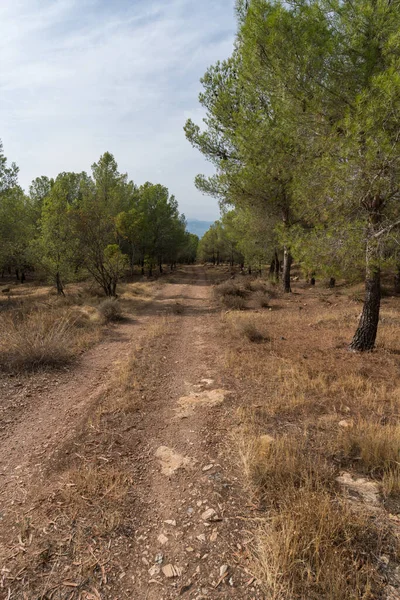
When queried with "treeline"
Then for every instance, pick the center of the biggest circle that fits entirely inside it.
(303, 128)
(101, 225)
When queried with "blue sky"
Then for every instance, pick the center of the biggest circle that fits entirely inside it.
(79, 77)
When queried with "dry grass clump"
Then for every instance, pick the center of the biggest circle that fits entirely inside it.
(317, 547)
(375, 449)
(229, 288)
(277, 468)
(262, 299)
(374, 446)
(110, 310)
(34, 340)
(251, 330)
(311, 545)
(98, 494)
(234, 302)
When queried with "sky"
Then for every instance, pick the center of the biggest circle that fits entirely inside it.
(81, 77)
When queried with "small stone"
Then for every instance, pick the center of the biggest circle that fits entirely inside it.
(223, 570)
(162, 539)
(346, 424)
(172, 571)
(210, 515)
(213, 536)
(201, 537)
(155, 570)
(171, 522)
(208, 467)
(189, 549)
(159, 559)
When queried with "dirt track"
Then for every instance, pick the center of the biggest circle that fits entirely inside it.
(177, 453)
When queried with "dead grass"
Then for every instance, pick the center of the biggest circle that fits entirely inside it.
(375, 449)
(277, 468)
(96, 495)
(261, 299)
(110, 311)
(36, 340)
(311, 541)
(231, 295)
(317, 547)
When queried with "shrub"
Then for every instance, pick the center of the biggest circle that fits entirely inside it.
(234, 302)
(261, 299)
(250, 330)
(228, 288)
(34, 340)
(110, 310)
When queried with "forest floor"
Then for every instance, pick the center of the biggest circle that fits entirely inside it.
(135, 473)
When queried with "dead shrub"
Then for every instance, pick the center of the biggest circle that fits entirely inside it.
(258, 286)
(110, 310)
(261, 299)
(229, 288)
(234, 302)
(37, 339)
(251, 331)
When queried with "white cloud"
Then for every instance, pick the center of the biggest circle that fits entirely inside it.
(81, 77)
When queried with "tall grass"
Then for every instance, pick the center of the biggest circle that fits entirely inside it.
(36, 339)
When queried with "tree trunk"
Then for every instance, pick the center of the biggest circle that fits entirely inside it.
(365, 336)
(397, 281)
(60, 287)
(287, 263)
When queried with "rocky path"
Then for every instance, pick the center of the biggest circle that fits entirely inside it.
(190, 537)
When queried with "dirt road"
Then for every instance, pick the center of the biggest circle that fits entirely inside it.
(186, 532)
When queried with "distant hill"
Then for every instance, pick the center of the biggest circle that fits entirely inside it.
(198, 227)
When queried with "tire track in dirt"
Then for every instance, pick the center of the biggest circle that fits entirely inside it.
(181, 472)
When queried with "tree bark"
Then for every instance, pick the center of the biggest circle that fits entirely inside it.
(365, 336)
(287, 263)
(397, 281)
(60, 287)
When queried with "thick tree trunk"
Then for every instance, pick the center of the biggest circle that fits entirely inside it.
(365, 336)
(397, 281)
(60, 287)
(287, 263)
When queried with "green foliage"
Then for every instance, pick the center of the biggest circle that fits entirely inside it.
(98, 225)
